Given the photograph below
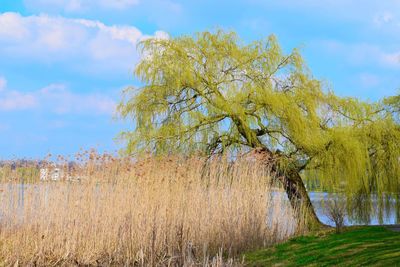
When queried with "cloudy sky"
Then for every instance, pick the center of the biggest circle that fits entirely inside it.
(63, 63)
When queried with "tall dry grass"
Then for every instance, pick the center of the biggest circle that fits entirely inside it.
(155, 212)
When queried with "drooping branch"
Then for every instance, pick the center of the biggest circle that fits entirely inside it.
(212, 92)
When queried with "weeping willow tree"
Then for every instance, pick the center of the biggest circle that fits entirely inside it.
(214, 93)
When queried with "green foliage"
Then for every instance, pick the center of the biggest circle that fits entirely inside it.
(212, 93)
(392, 105)
(25, 174)
(364, 246)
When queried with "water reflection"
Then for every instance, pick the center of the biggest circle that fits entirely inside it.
(318, 198)
(12, 197)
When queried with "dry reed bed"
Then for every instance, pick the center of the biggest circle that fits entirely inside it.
(156, 212)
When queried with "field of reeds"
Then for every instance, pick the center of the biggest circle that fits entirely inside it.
(171, 211)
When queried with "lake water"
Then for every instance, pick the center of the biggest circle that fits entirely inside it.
(317, 198)
(16, 199)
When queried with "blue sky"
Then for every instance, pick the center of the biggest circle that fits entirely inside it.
(63, 63)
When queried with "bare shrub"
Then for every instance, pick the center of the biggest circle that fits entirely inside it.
(335, 210)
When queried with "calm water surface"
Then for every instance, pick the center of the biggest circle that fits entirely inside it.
(17, 198)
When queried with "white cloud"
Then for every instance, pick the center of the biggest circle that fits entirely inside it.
(336, 8)
(367, 12)
(391, 59)
(362, 53)
(56, 98)
(14, 100)
(348, 7)
(85, 44)
(119, 4)
(80, 5)
(3, 83)
(12, 27)
(384, 18)
(121, 33)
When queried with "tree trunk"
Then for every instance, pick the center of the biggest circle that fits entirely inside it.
(295, 190)
(300, 201)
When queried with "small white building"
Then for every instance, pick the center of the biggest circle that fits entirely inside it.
(54, 174)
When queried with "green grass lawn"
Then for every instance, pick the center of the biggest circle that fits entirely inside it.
(356, 246)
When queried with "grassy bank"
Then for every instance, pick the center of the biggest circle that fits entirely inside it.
(356, 246)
